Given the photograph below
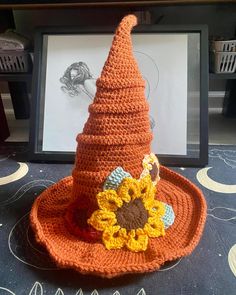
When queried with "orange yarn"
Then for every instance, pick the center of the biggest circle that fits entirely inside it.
(92, 258)
(117, 133)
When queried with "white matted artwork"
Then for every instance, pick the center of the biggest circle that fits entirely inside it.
(74, 62)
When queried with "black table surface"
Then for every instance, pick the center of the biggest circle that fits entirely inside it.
(25, 268)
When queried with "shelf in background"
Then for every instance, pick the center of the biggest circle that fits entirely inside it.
(222, 76)
(15, 77)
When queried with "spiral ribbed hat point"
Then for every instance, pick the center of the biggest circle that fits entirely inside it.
(117, 132)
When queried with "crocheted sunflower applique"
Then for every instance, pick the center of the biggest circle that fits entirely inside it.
(151, 167)
(129, 215)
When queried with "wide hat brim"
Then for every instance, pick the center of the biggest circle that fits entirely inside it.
(188, 202)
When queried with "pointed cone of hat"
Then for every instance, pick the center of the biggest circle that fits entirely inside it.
(117, 132)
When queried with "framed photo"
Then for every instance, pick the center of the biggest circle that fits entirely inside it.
(173, 61)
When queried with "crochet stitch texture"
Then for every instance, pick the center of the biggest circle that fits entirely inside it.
(117, 134)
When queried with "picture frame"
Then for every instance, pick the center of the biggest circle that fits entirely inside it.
(183, 87)
(16, 4)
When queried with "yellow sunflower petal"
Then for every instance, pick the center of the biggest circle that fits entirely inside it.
(154, 227)
(148, 204)
(129, 189)
(114, 237)
(149, 160)
(137, 240)
(147, 189)
(155, 208)
(101, 219)
(147, 166)
(144, 173)
(109, 200)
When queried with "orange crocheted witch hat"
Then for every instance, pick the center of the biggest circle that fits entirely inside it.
(117, 214)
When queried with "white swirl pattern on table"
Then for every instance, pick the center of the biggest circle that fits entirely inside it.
(37, 289)
(221, 213)
(232, 259)
(213, 185)
(7, 290)
(25, 188)
(18, 174)
(27, 253)
(215, 213)
(227, 156)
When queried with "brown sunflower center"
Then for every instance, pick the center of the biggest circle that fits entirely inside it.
(132, 215)
(154, 171)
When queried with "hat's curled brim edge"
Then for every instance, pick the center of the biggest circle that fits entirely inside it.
(188, 202)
